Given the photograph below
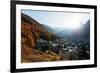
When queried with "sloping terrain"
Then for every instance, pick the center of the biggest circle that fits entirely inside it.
(40, 42)
(30, 33)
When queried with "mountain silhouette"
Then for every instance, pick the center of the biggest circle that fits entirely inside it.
(83, 33)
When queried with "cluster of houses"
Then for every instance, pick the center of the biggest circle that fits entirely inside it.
(70, 50)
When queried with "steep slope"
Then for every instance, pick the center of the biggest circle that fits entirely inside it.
(31, 31)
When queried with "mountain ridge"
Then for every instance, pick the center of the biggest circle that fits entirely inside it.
(31, 31)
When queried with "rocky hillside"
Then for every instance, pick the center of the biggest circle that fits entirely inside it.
(31, 31)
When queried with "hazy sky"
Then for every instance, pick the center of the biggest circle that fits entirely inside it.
(69, 20)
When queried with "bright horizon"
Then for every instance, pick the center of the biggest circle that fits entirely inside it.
(68, 20)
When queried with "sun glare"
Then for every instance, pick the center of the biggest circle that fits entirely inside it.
(62, 20)
(73, 24)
